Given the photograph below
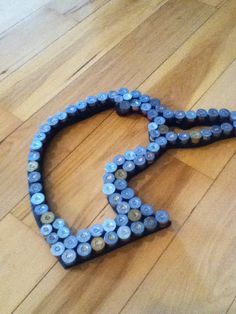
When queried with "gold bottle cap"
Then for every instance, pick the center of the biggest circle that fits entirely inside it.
(32, 166)
(134, 215)
(98, 244)
(47, 218)
(121, 174)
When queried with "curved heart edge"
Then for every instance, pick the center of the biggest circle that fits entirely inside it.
(161, 138)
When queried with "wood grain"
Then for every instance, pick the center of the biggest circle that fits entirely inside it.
(30, 88)
(8, 123)
(56, 52)
(33, 34)
(212, 159)
(91, 81)
(23, 260)
(120, 272)
(78, 10)
(197, 270)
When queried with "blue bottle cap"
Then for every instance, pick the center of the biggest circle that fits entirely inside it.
(150, 223)
(137, 228)
(135, 105)
(82, 106)
(46, 229)
(168, 114)
(46, 128)
(83, 235)
(201, 114)
(91, 101)
(162, 141)
(109, 225)
(171, 137)
(119, 160)
(129, 155)
(160, 120)
(111, 238)
(108, 188)
(35, 188)
(36, 145)
(123, 208)
(135, 202)
(127, 96)
(34, 176)
(206, 134)
(123, 91)
(162, 217)
(71, 110)
(120, 184)
(52, 238)
(152, 114)
(216, 130)
(57, 249)
(114, 199)
(129, 166)
(227, 128)
(144, 98)
(184, 137)
(37, 198)
(34, 156)
(152, 126)
(102, 97)
(41, 209)
(96, 230)
(140, 151)
(147, 210)
(179, 114)
(63, 232)
(121, 220)
(108, 177)
(111, 167)
(127, 193)
(191, 115)
(145, 107)
(58, 223)
(140, 161)
(124, 232)
(153, 147)
(112, 94)
(150, 157)
(40, 136)
(62, 116)
(136, 93)
(84, 249)
(69, 257)
(70, 242)
(53, 121)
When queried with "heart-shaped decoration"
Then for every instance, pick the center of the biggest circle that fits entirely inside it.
(134, 218)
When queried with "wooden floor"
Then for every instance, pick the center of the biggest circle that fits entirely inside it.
(54, 52)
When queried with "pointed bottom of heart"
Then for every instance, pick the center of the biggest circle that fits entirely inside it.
(80, 260)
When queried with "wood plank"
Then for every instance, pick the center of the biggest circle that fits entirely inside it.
(98, 77)
(232, 307)
(215, 3)
(211, 159)
(24, 261)
(119, 273)
(8, 123)
(33, 35)
(197, 273)
(43, 77)
(182, 80)
(13, 11)
(78, 10)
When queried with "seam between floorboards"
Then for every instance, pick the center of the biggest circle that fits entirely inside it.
(184, 222)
